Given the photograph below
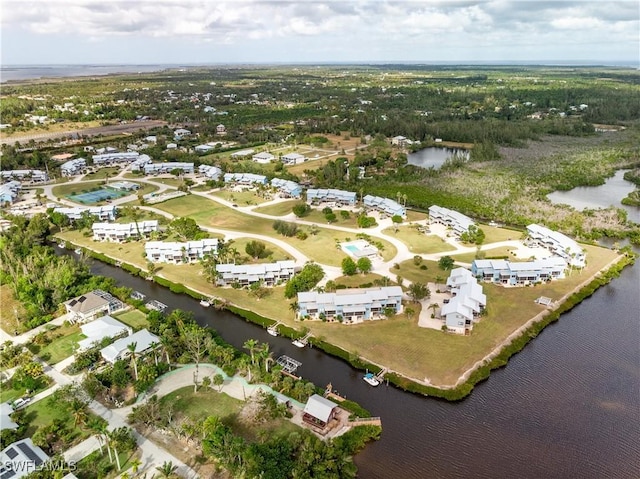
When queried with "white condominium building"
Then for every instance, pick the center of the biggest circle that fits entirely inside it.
(558, 244)
(177, 253)
(458, 222)
(121, 232)
(245, 274)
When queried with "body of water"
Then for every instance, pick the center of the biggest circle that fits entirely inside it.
(593, 197)
(567, 406)
(433, 157)
(34, 72)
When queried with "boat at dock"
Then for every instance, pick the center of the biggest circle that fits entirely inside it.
(273, 329)
(205, 303)
(371, 380)
(77, 250)
(299, 343)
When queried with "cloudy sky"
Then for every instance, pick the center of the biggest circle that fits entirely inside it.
(225, 31)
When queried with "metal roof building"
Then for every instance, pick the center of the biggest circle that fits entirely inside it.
(331, 195)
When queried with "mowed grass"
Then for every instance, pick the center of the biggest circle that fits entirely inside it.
(65, 340)
(42, 413)
(134, 318)
(493, 234)
(418, 242)
(356, 280)
(11, 310)
(62, 191)
(279, 209)
(426, 272)
(242, 198)
(102, 174)
(497, 252)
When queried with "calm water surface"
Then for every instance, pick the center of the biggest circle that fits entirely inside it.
(567, 406)
(603, 196)
(433, 157)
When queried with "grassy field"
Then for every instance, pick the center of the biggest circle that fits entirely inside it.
(134, 318)
(357, 279)
(41, 413)
(209, 402)
(9, 308)
(488, 253)
(417, 242)
(416, 215)
(9, 394)
(62, 191)
(242, 198)
(493, 234)
(102, 173)
(279, 209)
(175, 182)
(64, 341)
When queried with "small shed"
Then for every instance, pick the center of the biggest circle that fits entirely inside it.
(319, 411)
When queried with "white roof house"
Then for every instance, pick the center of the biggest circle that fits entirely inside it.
(211, 172)
(121, 232)
(245, 178)
(100, 328)
(36, 176)
(558, 244)
(20, 459)
(354, 304)
(458, 222)
(10, 191)
(107, 212)
(115, 157)
(464, 308)
(331, 196)
(241, 153)
(124, 186)
(138, 163)
(385, 205)
(120, 348)
(73, 167)
(159, 168)
(288, 188)
(293, 158)
(319, 410)
(203, 148)
(264, 157)
(177, 253)
(520, 273)
(246, 274)
(181, 132)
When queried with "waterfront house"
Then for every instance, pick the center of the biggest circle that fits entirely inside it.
(264, 157)
(558, 244)
(245, 178)
(319, 411)
(356, 304)
(101, 328)
(104, 213)
(401, 141)
(122, 231)
(21, 458)
(246, 274)
(210, 172)
(384, 206)
(178, 253)
(287, 188)
(339, 197)
(521, 273)
(143, 339)
(168, 167)
(89, 306)
(73, 167)
(293, 158)
(458, 222)
(467, 302)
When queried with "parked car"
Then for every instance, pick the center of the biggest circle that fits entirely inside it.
(20, 403)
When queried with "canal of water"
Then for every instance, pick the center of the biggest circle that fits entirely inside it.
(567, 406)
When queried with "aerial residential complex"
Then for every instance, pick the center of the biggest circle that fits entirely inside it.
(264, 157)
(35, 176)
(558, 244)
(385, 206)
(245, 178)
(293, 158)
(339, 197)
(106, 159)
(464, 308)
(211, 172)
(144, 341)
(104, 213)
(245, 274)
(458, 222)
(10, 191)
(121, 232)
(287, 188)
(177, 253)
(519, 274)
(168, 167)
(73, 167)
(351, 304)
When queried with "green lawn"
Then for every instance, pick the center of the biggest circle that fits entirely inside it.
(418, 242)
(209, 402)
(64, 344)
(62, 191)
(416, 215)
(488, 253)
(242, 198)
(493, 234)
(357, 279)
(279, 209)
(134, 318)
(102, 173)
(41, 413)
(432, 273)
(175, 182)
(9, 394)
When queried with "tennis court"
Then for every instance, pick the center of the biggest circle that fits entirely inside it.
(92, 197)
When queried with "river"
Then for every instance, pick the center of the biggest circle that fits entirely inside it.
(567, 406)
(434, 157)
(610, 194)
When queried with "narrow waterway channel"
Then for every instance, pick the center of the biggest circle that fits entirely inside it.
(567, 406)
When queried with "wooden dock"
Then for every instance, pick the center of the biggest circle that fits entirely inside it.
(365, 421)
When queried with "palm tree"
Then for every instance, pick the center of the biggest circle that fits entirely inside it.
(433, 307)
(409, 311)
(166, 342)
(251, 345)
(167, 469)
(132, 352)
(135, 464)
(98, 427)
(154, 346)
(293, 307)
(79, 412)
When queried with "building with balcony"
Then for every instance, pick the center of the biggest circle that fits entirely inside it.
(458, 222)
(246, 274)
(119, 232)
(559, 244)
(178, 253)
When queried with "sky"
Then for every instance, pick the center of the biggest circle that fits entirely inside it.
(310, 31)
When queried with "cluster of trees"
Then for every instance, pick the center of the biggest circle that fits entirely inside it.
(285, 229)
(186, 229)
(474, 235)
(38, 278)
(351, 267)
(305, 280)
(257, 250)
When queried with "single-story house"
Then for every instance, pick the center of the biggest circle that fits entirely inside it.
(319, 411)
(143, 339)
(264, 157)
(88, 306)
(242, 153)
(293, 158)
(20, 459)
(100, 328)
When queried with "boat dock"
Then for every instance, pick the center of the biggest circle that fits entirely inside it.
(365, 421)
(302, 342)
(273, 329)
(289, 365)
(380, 375)
(156, 305)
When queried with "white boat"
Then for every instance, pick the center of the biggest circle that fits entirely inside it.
(77, 251)
(273, 331)
(204, 303)
(298, 343)
(60, 245)
(371, 379)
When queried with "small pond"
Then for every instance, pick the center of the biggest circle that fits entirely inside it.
(434, 157)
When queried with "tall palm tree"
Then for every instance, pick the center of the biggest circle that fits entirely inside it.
(132, 352)
(167, 469)
(98, 427)
(154, 348)
(166, 342)
(79, 412)
(251, 345)
(293, 307)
